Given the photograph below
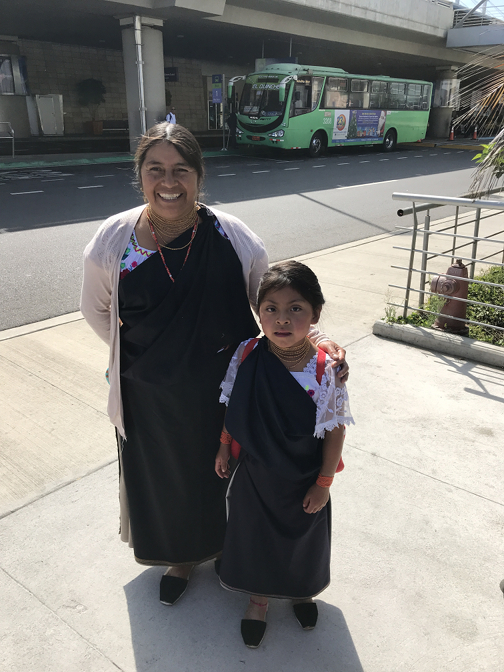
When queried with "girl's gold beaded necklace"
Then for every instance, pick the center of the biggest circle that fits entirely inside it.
(290, 357)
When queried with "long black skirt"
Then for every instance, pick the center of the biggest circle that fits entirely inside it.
(272, 547)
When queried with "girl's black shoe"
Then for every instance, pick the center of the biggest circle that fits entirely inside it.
(306, 614)
(252, 632)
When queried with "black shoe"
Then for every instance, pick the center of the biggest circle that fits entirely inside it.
(252, 632)
(306, 614)
(171, 589)
(217, 564)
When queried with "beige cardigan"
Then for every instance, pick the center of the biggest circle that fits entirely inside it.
(99, 298)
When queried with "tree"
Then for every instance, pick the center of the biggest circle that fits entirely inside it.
(352, 127)
(91, 94)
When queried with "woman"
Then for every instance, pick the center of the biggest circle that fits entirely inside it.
(169, 286)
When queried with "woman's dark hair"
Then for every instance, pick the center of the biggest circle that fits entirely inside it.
(291, 274)
(173, 134)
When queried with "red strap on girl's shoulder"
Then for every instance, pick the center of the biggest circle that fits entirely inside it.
(235, 446)
(249, 347)
(321, 360)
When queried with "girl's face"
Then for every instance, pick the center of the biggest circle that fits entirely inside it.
(168, 182)
(286, 317)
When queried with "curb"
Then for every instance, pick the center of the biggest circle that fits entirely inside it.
(445, 144)
(14, 164)
(47, 163)
(439, 341)
(32, 327)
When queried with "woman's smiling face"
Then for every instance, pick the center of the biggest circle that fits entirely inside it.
(168, 181)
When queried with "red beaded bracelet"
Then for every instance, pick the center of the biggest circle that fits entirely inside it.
(226, 438)
(324, 481)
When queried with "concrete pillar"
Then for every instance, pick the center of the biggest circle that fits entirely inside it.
(442, 107)
(153, 75)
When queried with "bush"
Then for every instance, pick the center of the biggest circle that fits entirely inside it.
(487, 294)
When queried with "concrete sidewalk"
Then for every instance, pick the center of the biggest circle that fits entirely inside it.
(418, 512)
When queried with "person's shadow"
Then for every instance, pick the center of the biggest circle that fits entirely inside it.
(201, 633)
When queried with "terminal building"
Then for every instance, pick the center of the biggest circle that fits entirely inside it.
(154, 55)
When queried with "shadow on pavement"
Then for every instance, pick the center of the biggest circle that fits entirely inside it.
(202, 631)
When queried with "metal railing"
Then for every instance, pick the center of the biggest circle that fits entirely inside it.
(462, 18)
(468, 234)
(7, 133)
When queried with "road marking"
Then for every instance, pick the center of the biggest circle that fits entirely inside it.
(418, 156)
(222, 166)
(291, 168)
(447, 153)
(56, 179)
(369, 184)
(254, 172)
(103, 176)
(226, 175)
(462, 151)
(91, 186)
(343, 164)
(383, 159)
(323, 166)
(364, 162)
(253, 164)
(401, 157)
(20, 193)
(432, 154)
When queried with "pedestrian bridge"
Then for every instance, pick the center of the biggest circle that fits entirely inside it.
(479, 28)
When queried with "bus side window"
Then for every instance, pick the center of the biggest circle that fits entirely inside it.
(378, 96)
(426, 96)
(359, 94)
(335, 94)
(414, 96)
(397, 96)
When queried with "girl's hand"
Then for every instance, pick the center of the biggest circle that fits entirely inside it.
(316, 498)
(222, 461)
(338, 355)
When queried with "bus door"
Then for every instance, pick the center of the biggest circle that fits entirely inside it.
(306, 95)
(305, 99)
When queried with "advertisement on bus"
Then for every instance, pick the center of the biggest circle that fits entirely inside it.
(358, 125)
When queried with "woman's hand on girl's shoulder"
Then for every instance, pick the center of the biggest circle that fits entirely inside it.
(222, 461)
(315, 499)
(338, 355)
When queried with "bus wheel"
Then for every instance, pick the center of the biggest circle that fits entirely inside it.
(317, 145)
(390, 141)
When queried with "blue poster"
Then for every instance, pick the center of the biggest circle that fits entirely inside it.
(366, 125)
(217, 88)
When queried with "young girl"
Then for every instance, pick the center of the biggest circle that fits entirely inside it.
(287, 409)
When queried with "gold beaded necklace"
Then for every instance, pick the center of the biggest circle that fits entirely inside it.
(171, 228)
(290, 357)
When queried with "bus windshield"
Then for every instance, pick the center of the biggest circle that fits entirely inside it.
(260, 97)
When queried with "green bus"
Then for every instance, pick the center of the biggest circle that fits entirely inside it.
(309, 107)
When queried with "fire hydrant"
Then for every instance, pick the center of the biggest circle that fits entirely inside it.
(452, 287)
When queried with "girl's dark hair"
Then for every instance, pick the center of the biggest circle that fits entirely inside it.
(173, 134)
(292, 274)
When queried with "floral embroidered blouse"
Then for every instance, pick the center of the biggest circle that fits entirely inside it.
(135, 254)
(331, 397)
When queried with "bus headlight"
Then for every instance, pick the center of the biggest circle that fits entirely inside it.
(239, 133)
(277, 134)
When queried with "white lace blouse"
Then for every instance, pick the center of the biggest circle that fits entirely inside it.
(330, 396)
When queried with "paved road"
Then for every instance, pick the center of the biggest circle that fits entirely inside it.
(295, 204)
